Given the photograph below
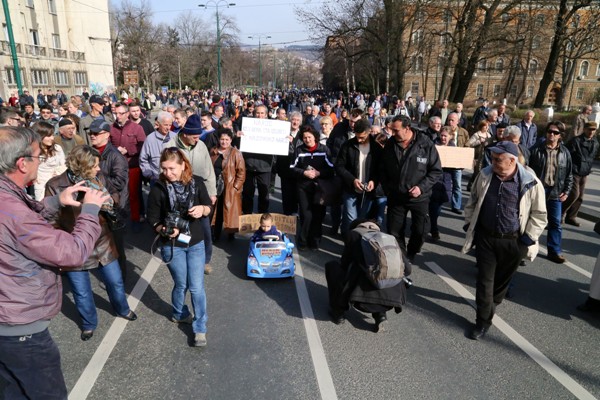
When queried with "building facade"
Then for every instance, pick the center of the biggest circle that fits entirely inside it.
(60, 44)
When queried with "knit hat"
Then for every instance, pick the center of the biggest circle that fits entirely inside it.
(65, 122)
(192, 126)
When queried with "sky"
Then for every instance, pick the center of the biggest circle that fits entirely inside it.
(275, 18)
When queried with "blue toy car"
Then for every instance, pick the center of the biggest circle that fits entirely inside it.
(271, 258)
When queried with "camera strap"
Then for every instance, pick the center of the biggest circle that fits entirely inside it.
(153, 248)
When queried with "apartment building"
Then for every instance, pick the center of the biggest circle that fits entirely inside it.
(60, 44)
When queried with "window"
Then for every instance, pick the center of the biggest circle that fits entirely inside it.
(533, 67)
(5, 30)
(80, 78)
(500, 65)
(445, 38)
(583, 68)
(55, 41)
(598, 70)
(535, 43)
(539, 20)
(419, 16)
(11, 78)
(479, 92)
(530, 89)
(418, 63)
(29, 3)
(496, 90)
(414, 88)
(505, 17)
(417, 37)
(579, 94)
(513, 91)
(482, 65)
(39, 77)
(52, 6)
(447, 16)
(61, 78)
(35, 38)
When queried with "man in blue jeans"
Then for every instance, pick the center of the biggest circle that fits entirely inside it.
(551, 162)
(355, 165)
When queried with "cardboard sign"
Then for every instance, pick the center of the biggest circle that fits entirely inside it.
(251, 222)
(456, 157)
(265, 136)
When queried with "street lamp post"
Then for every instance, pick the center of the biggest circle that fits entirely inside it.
(216, 5)
(259, 59)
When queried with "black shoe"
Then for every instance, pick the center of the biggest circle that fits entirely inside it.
(301, 247)
(336, 318)
(380, 321)
(572, 222)
(457, 211)
(411, 257)
(130, 317)
(435, 236)
(231, 236)
(478, 332)
(590, 305)
(522, 263)
(557, 258)
(86, 335)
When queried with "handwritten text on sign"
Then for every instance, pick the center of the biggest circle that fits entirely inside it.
(265, 136)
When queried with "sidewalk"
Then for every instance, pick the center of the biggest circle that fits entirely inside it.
(590, 209)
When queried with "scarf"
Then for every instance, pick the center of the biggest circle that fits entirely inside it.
(181, 197)
(93, 183)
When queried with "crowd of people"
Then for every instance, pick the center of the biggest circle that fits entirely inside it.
(84, 162)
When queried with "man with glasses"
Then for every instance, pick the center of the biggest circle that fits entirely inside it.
(128, 137)
(409, 167)
(96, 108)
(505, 216)
(583, 149)
(46, 115)
(30, 263)
(551, 161)
(10, 117)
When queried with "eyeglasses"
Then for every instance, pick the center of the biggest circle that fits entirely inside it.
(553, 132)
(96, 133)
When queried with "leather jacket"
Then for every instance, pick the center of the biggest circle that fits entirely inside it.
(563, 180)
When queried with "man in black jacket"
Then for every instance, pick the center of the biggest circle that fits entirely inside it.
(583, 149)
(115, 169)
(355, 165)
(551, 162)
(409, 167)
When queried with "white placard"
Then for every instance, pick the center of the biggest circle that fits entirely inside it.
(265, 136)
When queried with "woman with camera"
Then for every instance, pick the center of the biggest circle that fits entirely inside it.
(311, 168)
(176, 204)
(83, 164)
(231, 172)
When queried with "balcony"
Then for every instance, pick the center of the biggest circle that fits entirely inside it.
(78, 56)
(34, 50)
(58, 53)
(5, 47)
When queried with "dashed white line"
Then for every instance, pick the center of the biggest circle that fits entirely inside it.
(90, 374)
(544, 251)
(324, 379)
(569, 383)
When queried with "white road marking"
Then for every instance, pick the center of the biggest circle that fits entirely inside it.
(324, 379)
(569, 383)
(569, 264)
(90, 374)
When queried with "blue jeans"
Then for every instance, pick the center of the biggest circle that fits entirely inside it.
(207, 231)
(355, 206)
(31, 366)
(456, 200)
(380, 204)
(83, 296)
(554, 208)
(187, 270)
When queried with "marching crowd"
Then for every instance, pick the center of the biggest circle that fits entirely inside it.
(84, 162)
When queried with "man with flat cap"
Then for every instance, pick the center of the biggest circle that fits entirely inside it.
(67, 138)
(505, 216)
(116, 173)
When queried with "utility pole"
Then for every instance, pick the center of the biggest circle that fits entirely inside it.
(259, 58)
(13, 47)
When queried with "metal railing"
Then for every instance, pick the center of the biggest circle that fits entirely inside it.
(58, 53)
(34, 50)
(5, 47)
(78, 56)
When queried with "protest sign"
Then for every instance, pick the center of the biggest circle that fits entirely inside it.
(265, 136)
(249, 223)
(456, 157)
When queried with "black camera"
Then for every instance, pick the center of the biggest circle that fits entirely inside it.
(175, 221)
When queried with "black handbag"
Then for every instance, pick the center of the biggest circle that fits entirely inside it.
(329, 191)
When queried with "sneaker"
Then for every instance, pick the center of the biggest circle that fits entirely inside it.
(200, 340)
(187, 320)
(207, 269)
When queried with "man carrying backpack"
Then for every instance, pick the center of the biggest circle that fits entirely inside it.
(370, 275)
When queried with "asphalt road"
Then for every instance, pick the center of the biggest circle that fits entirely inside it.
(272, 339)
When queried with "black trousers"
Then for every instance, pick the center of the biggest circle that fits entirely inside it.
(260, 180)
(289, 195)
(397, 221)
(497, 261)
(311, 216)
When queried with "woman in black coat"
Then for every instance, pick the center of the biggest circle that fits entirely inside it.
(311, 166)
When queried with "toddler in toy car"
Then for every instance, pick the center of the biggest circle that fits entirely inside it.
(266, 228)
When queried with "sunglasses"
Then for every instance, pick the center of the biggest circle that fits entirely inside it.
(553, 132)
(96, 133)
